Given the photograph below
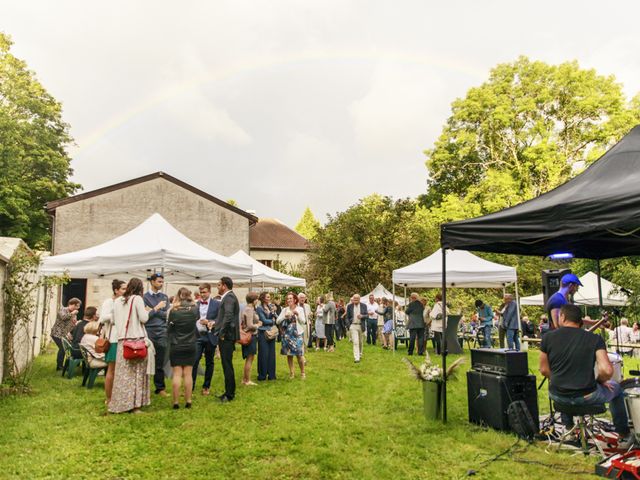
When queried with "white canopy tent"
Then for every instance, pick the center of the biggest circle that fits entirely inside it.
(464, 270)
(153, 246)
(588, 293)
(381, 292)
(265, 276)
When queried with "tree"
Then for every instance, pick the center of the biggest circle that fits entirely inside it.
(308, 225)
(529, 128)
(232, 202)
(34, 162)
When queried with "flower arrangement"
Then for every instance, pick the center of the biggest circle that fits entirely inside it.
(430, 372)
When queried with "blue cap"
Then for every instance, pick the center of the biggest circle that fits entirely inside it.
(570, 278)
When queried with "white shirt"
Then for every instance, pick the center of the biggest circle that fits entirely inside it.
(106, 318)
(624, 334)
(372, 309)
(436, 324)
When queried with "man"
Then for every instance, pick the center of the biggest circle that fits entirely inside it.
(66, 319)
(569, 285)
(329, 319)
(415, 324)
(206, 341)
(356, 316)
(623, 335)
(227, 327)
(485, 317)
(567, 356)
(157, 304)
(528, 328)
(510, 322)
(498, 320)
(372, 320)
(307, 338)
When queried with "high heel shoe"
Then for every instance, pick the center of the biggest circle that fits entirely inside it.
(187, 405)
(176, 406)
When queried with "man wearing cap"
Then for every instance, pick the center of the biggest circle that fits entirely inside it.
(569, 285)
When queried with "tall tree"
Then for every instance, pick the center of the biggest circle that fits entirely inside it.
(308, 225)
(34, 162)
(525, 131)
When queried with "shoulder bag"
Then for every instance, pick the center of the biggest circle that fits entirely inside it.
(245, 337)
(102, 344)
(133, 349)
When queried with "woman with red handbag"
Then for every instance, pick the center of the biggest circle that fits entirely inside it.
(131, 383)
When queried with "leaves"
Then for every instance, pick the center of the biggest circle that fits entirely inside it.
(308, 225)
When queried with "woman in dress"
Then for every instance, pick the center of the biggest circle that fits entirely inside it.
(321, 337)
(266, 347)
(292, 340)
(118, 288)
(181, 332)
(250, 323)
(131, 382)
(387, 328)
(88, 342)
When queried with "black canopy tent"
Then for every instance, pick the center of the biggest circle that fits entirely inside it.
(594, 215)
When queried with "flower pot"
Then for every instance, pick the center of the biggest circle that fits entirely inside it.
(432, 399)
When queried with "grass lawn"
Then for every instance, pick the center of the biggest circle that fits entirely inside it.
(345, 420)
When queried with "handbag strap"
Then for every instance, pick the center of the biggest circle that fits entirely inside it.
(129, 317)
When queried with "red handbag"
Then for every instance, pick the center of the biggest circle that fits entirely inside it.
(245, 337)
(133, 349)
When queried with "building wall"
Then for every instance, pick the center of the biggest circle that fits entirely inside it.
(95, 220)
(292, 258)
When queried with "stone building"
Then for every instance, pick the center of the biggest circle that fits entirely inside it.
(100, 215)
(276, 245)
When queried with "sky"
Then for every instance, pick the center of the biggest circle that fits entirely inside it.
(280, 105)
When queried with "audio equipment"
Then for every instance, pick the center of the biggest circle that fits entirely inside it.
(500, 361)
(491, 395)
(551, 282)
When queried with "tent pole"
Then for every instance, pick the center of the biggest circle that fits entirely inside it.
(393, 312)
(444, 336)
(518, 310)
(600, 302)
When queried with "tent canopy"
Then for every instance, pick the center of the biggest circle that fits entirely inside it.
(153, 245)
(594, 215)
(464, 270)
(381, 292)
(265, 275)
(588, 293)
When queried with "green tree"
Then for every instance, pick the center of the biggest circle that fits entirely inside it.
(34, 162)
(232, 202)
(525, 131)
(308, 225)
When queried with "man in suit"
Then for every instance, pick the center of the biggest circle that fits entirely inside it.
(227, 327)
(206, 341)
(356, 317)
(415, 323)
(157, 304)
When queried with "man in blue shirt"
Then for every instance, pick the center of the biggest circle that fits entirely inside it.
(157, 304)
(510, 322)
(569, 285)
(485, 316)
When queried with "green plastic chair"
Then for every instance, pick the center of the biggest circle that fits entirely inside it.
(90, 373)
(70, 364)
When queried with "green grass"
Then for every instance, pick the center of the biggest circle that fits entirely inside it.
(344, 421)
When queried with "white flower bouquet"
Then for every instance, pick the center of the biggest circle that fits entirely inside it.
(430, 372)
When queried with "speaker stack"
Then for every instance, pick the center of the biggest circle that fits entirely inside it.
(551, 281)
(497, 379)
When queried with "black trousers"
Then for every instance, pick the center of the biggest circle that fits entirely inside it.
(60, 357)
(372, 330)
(226, 355)
(266, 357)
(204, 347)
(502, 333)
(416, 334)
(437, 342)
(328, 330)
(160, 345)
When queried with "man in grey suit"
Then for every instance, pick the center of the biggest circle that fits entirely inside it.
(228, 330)
(414, 312)
(329, 319)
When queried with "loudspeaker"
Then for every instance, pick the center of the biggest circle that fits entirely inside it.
(551, 281)
(500, 361)
(489, 397)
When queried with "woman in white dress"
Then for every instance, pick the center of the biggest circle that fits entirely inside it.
(321, 337)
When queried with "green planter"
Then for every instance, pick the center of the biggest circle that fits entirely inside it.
(432, 395)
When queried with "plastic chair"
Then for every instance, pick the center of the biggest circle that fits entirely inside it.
(585, 415)
(90, 373)
(70, 364)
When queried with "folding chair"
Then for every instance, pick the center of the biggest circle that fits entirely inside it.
(90, 373)
(70, 364)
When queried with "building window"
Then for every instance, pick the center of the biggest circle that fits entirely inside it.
(268, 263)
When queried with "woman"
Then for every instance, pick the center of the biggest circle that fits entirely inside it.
(131, 383)
(88, 342)
(436, 323)
(181, 332)
(66, 319)
(292, 340)
(250, 323)
(266, 347)
(106, 318)
(341, 312)
(321, 337)
(387, 328)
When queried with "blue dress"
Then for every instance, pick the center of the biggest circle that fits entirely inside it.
(292, 341)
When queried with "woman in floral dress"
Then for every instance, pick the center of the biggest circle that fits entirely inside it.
(292, 340)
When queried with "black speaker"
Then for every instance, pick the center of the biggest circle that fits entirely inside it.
(551, 281)
(500, 361)
(490, 395)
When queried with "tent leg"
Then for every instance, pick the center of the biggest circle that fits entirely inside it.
(518, 311)
(393, 312)
(444, 336)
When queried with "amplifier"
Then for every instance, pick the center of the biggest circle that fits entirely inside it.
(500, 361)
(489, 397)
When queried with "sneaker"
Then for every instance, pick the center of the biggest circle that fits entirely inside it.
(625, 442)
